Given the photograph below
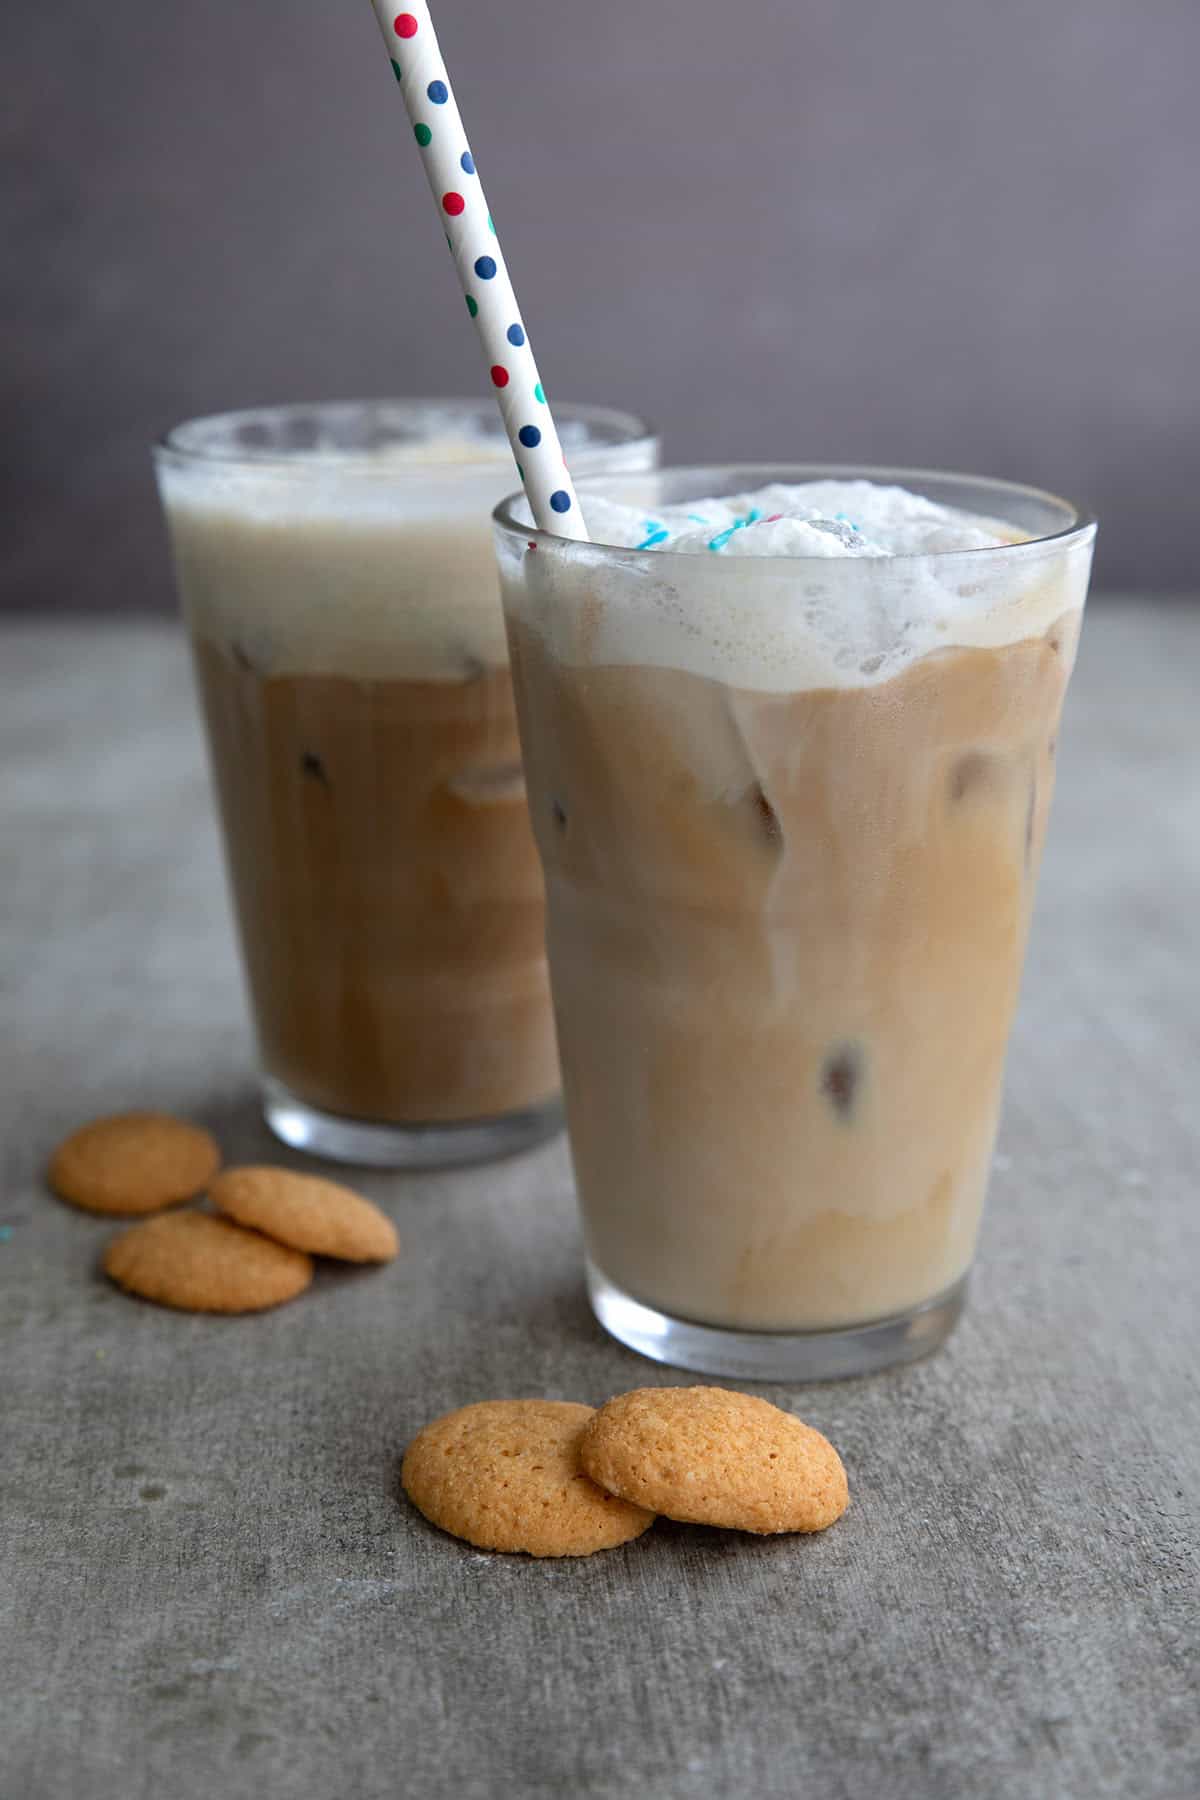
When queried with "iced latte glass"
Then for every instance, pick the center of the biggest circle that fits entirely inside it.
(789, 779)
(336, 572)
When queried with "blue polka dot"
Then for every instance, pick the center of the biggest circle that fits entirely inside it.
(515, 335)
(466, 162)
(530, 436)
(438, 92)
(485, 267)
(560, 501)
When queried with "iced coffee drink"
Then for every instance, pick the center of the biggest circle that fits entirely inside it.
(790, 753)
(336, 570)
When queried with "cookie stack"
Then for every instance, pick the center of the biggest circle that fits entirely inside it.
(554, 1478)
(254, 1251)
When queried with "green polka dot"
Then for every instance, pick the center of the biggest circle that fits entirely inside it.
(422, 134)
(396, 70)
(491, 227)
(472, 308)
(539, 393)
(520, 472)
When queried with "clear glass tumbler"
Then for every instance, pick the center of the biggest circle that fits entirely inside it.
(336, 572)
(790, 812)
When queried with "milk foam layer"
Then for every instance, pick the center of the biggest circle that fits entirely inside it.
(378, 585)
(375, 564)
(850, 582)
(819, 518)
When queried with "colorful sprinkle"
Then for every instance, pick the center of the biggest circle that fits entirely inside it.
(698, 518)
(723, 537)
(656, 537)
(466, 163)
(485, 267)
(530, 436)
(404, 25)
(423, 135)
(560, 501)
(515, 335)
(438, 92)
(472, 306)
(453, 204)
(499, 375)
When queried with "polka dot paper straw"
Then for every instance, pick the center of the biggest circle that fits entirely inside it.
(427, 94)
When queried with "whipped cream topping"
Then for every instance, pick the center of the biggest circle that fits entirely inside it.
(827, 584)
(818, 518)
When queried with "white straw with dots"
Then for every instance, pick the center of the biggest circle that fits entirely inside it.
(427, 94)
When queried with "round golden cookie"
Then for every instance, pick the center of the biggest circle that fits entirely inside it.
(134, 1163)
(505, 1475)
(307, 1212)
(712, 1457)
(199, 1263)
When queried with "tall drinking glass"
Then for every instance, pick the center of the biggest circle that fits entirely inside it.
(790, 811)
(336, 572)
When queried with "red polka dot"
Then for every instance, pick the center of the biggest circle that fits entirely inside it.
(404, 25)
(499, 375)
(453, 204)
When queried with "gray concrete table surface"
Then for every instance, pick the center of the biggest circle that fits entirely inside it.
(211, 1586)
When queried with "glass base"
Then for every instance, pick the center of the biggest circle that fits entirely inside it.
(776, 1355)
(384, 1146)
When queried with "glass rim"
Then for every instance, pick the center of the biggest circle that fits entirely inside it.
(1081, 528)
(630, 432)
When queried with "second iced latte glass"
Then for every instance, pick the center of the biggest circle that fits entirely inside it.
(790, 812)
(335, 568)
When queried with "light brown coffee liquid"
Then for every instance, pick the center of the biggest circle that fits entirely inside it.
(387, 888)
(786, 933)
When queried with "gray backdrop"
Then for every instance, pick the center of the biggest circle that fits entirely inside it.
(935, 231)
